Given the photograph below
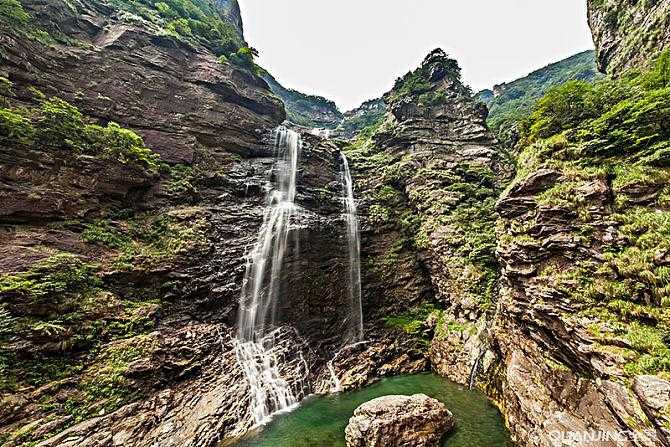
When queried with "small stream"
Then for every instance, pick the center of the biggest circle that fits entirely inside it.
(320, 420)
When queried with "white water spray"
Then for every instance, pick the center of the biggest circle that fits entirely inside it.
(354, 245)
(257, 346)
(336, 385)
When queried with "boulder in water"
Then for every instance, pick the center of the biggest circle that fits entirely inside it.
(395, 421)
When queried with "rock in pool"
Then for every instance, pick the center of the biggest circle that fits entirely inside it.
(399, 421)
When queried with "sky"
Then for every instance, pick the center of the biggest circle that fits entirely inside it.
(353, 50)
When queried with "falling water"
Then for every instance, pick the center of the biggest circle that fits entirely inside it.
(257, 345)
(335, 384)
(475, 369)
(354, 245)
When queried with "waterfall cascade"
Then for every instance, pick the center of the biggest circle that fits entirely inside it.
(354, 246)
(257, 338)
(261, 347)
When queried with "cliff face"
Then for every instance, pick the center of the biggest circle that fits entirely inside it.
(133, 169)
(231, 10)
(628, 33)
(367, 114)
(546, 288)
(581, 325)
(305, 110)
(429, 177)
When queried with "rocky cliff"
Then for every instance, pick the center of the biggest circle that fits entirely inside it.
(231, 11)
(627, 33)
(135, 151)
(546, 287)
(581, 321)
(429, 176)
(309, 111)
(368, 114)
(581, 325)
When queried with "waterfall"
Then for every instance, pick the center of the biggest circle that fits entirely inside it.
(256, 346)
(336, 385)
(475, 369)
(354, 246)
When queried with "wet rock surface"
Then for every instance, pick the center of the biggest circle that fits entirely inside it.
(394, 421)
(141, 343)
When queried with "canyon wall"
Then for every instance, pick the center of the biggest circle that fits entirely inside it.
(628, 32)
(134, 162)
(538, 274)
(135, 154)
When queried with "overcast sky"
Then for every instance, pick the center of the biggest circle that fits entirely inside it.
(353, 50)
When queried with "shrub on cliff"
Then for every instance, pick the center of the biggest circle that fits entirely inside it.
(14, 128)
(124, 145)
(244, 57)
(58, 125)
(626, 114)
(12, 12)
(614, 134)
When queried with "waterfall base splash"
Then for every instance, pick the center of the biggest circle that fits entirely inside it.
(260, 351)
(276, 372)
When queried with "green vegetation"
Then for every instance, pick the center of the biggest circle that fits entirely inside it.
(56, 125)
(182, 179)
(197, 21)
(518, 98)
(613, 131)
(413, 321)
(104, 385)
(50, 280)
(417, 82)
(15, 17)
(12, 12)
(305, 110)
(370, 113)
(146, 242)
(613, 117)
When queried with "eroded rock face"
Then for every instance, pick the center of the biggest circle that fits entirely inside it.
(561, 372)
(628, 33)
(428, 180)
(141, 339)
(394, 421)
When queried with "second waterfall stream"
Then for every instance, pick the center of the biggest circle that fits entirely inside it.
(261, 345)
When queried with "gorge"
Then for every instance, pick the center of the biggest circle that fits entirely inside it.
(184, 256)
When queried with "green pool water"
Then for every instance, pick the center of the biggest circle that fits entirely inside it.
(320, 420)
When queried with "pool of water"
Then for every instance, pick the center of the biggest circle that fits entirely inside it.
(320, 420)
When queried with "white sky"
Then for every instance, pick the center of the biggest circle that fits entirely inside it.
(353, 50)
